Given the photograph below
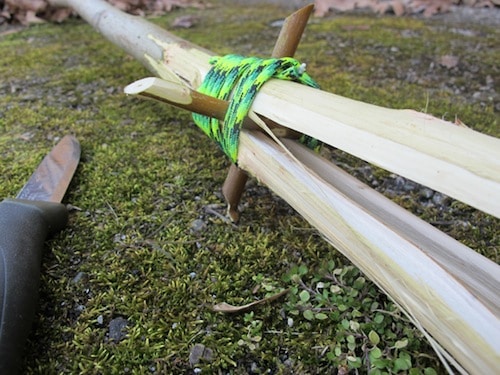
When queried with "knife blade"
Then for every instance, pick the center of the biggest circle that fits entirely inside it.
(25, 223)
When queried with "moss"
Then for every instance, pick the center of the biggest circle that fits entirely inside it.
(132, 249)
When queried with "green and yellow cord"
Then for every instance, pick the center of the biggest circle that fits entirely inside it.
(238, 79)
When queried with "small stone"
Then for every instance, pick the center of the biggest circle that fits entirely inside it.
(117, 329)
(409, 186)
(288, 362)
(399, 182)
(254, 368)
(80, 277)
(366, 172)
(277, 23)
(426, 193)
(197, 225)
(440, 199)
(200, 352)
(100, 320)
(196, 354)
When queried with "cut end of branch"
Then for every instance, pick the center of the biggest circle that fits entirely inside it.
(159, 88)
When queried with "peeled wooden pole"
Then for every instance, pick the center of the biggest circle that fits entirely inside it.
(457, 161)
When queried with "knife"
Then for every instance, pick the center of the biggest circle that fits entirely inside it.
(25, 223)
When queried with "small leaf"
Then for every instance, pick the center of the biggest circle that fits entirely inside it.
(308, 314)
(379, 318)
(375, 353)
(331, 264)
(295, 278)
(356, 314)
(335, 289)
(400, 344)
(359, 282)
(304, 296)
(354, 362)
(302, 270)
(342, 307)
(381, 363)
(374, 338)
(430, 371)
(321, 316)
(399, 365)
(354, 325)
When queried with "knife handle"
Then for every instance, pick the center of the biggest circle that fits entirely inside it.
(24, 226)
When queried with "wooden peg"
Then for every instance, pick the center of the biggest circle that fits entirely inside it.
(286, 45)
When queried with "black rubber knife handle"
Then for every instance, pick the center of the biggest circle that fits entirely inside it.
(24, 226)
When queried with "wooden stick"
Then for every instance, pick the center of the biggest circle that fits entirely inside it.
(455, 160)
(291, 32)
(286, 45)
(180, 96)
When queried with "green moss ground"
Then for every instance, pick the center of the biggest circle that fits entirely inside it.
(144, 243)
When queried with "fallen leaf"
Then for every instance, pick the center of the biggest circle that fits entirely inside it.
(396, 6)
(321, 7)
(430, 7)
(185, 22)
(230, 309)
(448, 61)
(27, 5)
(60, 14)
(34, 11)
(31, 18)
